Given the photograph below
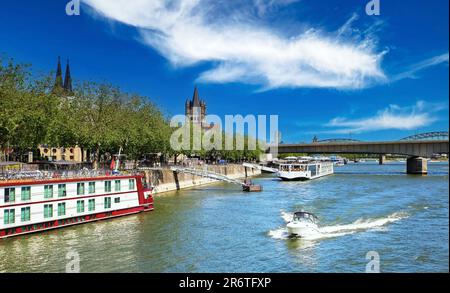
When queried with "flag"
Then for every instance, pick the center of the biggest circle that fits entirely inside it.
(113, 164)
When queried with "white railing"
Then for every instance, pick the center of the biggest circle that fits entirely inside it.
(205, 173)
(259, 167)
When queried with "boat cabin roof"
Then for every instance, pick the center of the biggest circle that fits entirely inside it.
(306, 215)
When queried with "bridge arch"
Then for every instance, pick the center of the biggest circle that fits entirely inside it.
(337, 140)
(436, 135)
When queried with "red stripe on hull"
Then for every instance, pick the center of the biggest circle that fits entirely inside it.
(46, 226)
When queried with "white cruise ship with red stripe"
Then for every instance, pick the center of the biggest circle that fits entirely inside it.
(38, 204)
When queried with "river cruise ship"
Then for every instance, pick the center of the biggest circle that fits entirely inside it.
(45, 201)
(305, 170)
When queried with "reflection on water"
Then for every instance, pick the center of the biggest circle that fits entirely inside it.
(48, 250)
(218, 228)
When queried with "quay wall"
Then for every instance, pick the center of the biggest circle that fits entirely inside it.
(165, 180)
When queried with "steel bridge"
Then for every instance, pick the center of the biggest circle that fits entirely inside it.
(425, 148)
(434, 135)
(332, 140)
(417, 147)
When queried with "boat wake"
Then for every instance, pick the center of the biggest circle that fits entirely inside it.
(340, 230)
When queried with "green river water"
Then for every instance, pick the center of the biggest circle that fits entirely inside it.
(218, 228)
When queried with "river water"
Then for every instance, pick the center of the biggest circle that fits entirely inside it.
(218, 228)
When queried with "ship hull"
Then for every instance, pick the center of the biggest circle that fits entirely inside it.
(59, 224)
(300, 176)
(31, 206)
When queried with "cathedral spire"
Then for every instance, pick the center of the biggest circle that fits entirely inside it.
(196, 99)
(68, 79)
(59, 77)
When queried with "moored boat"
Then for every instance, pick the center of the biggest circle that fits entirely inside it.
(338, 161)
(305, 170)
(33, 204)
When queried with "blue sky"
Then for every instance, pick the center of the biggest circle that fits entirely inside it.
(325, 67)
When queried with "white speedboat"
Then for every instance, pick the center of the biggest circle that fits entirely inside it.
(303, 225)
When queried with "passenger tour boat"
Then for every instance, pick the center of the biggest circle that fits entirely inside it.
(305, 170)
(41, 202)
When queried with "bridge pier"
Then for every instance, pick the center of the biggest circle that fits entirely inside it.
(417, 166)
(382, 159)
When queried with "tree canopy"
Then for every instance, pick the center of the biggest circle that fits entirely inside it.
(98, 117)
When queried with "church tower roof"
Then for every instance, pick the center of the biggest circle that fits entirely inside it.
(68, 79)
(59, 77)
(196, 99)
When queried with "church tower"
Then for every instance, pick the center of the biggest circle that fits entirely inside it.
(58, 87)
(68, 80)
(195, 109)
(63, 86)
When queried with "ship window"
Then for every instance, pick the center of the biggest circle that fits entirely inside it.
(48, 191)
(117, 200)
(9, 217)
(131, 184)
(62, 190)
(80, 188)
(10, 194)
(80, 206)
(107, 186)
(48, 211)
(25, 214)
(26, 193)
(107, 202)
(62, 209)
(117, 185)
(91, 187)
(91, 205)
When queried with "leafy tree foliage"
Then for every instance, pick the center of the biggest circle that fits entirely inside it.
(98, 117)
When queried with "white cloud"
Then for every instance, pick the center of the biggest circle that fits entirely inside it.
(239, 50)
(347, 27)
(264, 6)
(412, 70)
(393, 117)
